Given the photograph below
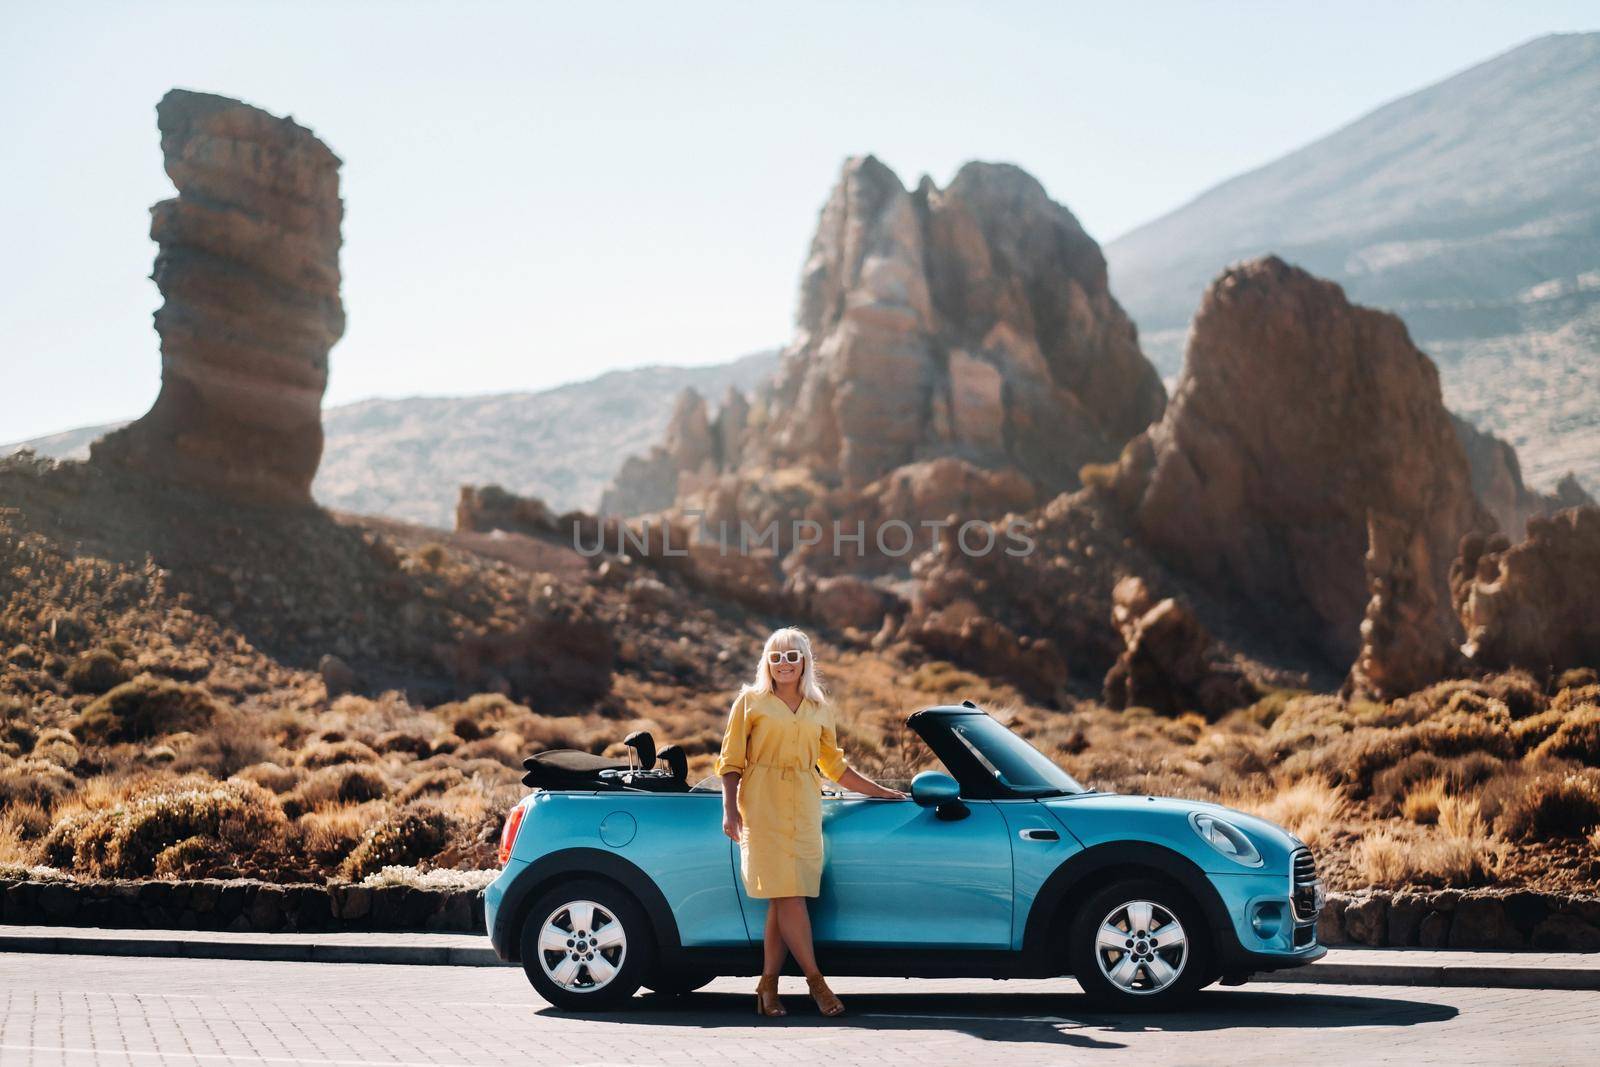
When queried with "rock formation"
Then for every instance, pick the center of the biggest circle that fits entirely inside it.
(249, 269)
(1297, 418)
(972, 321)
(1404, 644)
(1497, 481)
(1532, 605)
(1169, 662)
(971, 324)
(695, 446)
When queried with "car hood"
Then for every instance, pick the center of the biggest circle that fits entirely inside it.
(1101, 818)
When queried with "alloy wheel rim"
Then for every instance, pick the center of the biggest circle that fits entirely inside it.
(582, 946)
(1141, 947)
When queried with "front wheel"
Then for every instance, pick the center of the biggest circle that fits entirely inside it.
(586, 946)
(1139, 944)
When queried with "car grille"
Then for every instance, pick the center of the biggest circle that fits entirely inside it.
(1303, 885)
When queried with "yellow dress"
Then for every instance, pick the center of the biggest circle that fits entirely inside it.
(777, 753)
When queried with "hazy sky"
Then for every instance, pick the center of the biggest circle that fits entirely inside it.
(535, 193)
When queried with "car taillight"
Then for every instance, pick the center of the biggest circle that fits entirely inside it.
(508, 835)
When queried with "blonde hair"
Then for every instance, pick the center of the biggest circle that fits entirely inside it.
(782, 641)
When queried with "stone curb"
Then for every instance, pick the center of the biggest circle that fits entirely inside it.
(1335, 971)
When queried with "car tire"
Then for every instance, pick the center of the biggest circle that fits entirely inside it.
(587, 945)
(676, 983)
(1134, 971)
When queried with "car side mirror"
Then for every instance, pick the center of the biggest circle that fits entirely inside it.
(930, 789)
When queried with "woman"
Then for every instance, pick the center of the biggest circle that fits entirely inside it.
(780, 730)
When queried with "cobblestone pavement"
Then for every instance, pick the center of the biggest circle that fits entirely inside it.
(140, 1012)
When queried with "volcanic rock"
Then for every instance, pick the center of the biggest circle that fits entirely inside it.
(1299, 415)
(973, 321)
(1532, 605)
(1406, 641)
(650, 483)
(1169, 663)
(249, 269)
(1497, 481)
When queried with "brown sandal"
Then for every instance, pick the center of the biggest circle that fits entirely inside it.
(827, 1003)
(767, 1002)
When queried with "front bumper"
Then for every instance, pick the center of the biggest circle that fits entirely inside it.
(1264, 931)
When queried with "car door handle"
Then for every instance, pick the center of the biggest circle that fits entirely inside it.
(1038, 835)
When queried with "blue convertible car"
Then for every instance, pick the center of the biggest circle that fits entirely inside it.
(617, 878)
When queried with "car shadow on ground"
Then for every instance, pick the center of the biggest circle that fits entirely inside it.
(1048, 1018)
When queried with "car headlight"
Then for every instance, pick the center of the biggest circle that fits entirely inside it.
(1226, 838)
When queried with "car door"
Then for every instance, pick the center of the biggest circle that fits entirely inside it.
(895, 873)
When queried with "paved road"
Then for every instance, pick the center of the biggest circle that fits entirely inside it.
(140, 1012)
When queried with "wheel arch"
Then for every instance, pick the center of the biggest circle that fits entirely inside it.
(1070, 885)
(591, 863)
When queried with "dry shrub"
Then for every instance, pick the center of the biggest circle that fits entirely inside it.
(34, 781)
(342, 783)
(13, 731)
(143, 708)
(329, 754)
(505, 748)
(25, 820)
(1562, 803)
(1312, 809)
(400, 741)
(409, 836)
(1576, 697)
(58, 746)
(96, 672)
(233, 743)
(1460, 851)
(1576, 738)
(432, 555)
(123, 841)
(1381, 858)
(271, 776)
(435, 781)
(194, 857)
(1534, 729)
(330, 833)
(1422, 801)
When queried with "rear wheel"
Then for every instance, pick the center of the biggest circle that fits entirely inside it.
(1139, 944)
(586, 946)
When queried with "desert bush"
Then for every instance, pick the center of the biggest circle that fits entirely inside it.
(400, 741)
(25, 819)
(341, 783)
(124, 840)
(1529, 732)
(409, 836)
(1422, 800)
(1312, 809)
(193, 857)
(330, 753)
(432, 555)
(1577, 677)
(1570, 699)
(13, 730)
(96, 671)
(58, 746)
(331, 833)
(1380, 858)
(436, 781)
(271, 776)
(34, 781)
(1577, 737)
(233, 743)
(143, 708)
(1459, 851)
(1561, 803)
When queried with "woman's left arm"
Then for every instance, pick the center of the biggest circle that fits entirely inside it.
(857, 782)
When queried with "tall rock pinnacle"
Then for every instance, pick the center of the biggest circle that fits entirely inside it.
(249, 269)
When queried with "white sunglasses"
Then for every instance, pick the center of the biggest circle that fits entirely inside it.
(793, 655)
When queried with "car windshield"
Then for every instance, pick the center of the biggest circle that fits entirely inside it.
(1015, 763)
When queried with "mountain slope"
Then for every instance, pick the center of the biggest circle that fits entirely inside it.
(1471, 208)
(407, 459)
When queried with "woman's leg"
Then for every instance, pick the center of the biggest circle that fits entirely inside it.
(795, 923)
(773, 952)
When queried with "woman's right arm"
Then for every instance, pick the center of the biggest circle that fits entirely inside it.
(730, 765)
